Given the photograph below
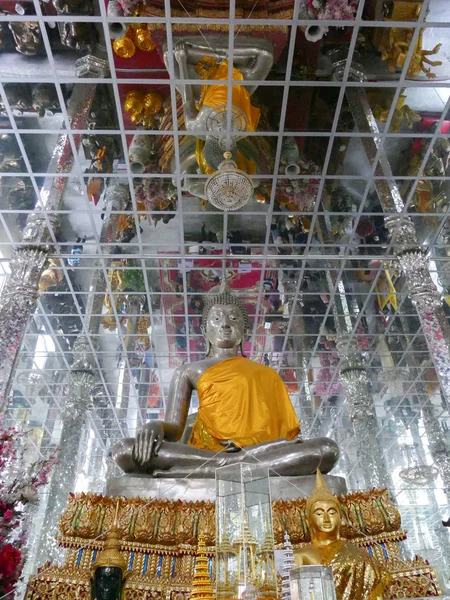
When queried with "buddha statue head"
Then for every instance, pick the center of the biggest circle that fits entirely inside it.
(323, 513)
(224, 320)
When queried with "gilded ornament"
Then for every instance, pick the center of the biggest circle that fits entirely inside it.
(111, 556)
(124, 47)
(394, 46)
(134, 102)
(201, 584)
(166, 567)
(152, 102)
(143, 40)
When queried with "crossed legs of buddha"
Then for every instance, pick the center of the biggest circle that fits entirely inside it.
(287, 458)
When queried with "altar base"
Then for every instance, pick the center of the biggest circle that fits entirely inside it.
(192, 490)
(159, 537)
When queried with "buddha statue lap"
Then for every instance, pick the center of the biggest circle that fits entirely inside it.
(354, 571)
(245, 413)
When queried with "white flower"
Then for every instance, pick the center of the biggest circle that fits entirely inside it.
(29, 493)
(317, 4)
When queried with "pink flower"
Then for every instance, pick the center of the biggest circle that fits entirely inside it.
(8, 515)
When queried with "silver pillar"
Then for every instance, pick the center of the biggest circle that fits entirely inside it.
(413, 260)
(361, 411)
(20, 293)
(355, 381)
(82, 390)
(437, 441)
(79, 384)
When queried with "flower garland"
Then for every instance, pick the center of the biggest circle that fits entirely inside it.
(329, 360)
(19, 483)
(328, 10)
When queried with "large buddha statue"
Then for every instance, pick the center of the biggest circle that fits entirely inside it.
(245, 413)
(205, 107)
(206, 58)
(355, 574)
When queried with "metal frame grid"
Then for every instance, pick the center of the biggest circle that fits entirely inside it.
(324, 412)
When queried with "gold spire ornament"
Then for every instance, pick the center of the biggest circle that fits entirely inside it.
(110, 566)
(201, 585)
(111, 556)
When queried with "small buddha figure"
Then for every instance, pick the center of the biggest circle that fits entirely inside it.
(356, 576)
(245, 413)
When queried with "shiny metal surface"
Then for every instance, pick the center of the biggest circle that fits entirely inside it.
(192, 489)
(155, 450)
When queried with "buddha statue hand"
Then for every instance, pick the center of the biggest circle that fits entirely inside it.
(229, 446)
(179, 50)
(149, 439)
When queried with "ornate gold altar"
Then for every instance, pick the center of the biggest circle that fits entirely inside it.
(159, 542)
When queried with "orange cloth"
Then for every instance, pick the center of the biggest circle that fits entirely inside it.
(217, 95)
(243, 401)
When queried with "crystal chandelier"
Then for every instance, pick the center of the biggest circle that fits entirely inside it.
(417, 474)
(229, 188)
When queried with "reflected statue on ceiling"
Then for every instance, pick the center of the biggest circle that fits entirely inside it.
(27, 37)
(11, 160)
(81, 37)
(19, 96)
(45, 99)
(245, 413)
(204, 107)
(21, 196)
(199, 157)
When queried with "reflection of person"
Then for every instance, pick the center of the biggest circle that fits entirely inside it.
(241, 404)
(76, 251)
(355, 574)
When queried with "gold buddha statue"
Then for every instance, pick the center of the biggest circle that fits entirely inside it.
(245, 413)
(356, 576)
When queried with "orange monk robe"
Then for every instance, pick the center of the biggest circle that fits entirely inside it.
(243, 401)
(217, 95)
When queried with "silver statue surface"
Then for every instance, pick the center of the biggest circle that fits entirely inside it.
(160, 449)
(252, 58)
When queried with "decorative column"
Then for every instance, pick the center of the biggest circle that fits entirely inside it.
(19, 295)
(20, 292)
(411, 256)
(79, 384)
(297, 331)
(361, 411)
(355, 381)
(437, 441)
(83, 390)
